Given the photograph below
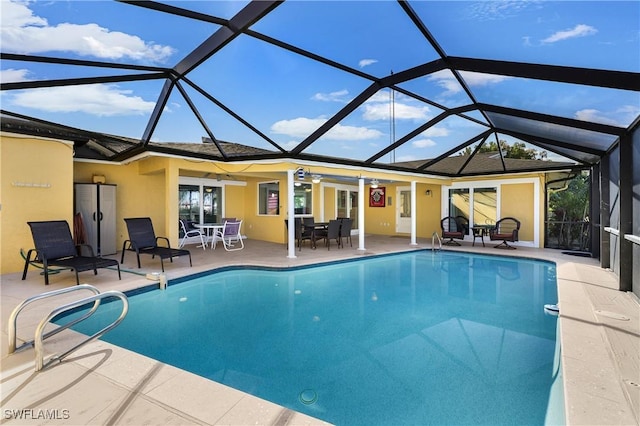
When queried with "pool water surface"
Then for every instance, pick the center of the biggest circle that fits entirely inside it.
(414, 338)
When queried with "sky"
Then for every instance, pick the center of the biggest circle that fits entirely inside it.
(287, 97)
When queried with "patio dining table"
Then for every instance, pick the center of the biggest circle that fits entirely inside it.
(316, 226)
(210, 231)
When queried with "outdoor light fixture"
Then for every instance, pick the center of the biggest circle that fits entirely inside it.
(316, 178)
(374, 183)
(300, 173)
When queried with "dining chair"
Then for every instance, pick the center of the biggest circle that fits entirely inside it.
(189, 233)
(308, 230)
(331, 232)
(231, 236)
(345, 231)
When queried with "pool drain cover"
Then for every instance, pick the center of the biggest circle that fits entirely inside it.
(308, 396)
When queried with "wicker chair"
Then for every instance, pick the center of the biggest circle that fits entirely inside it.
(506, 229)
(453, 227)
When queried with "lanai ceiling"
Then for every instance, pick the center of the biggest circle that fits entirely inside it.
(417, 85)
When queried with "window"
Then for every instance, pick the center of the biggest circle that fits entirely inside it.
(200, 203)
(302, 197)
(269, 198)
(459, 202)
(189, 199)
(484, 206)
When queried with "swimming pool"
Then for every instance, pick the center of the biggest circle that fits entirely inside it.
(412, 338)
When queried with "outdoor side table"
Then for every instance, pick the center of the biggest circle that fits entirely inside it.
(479, 232)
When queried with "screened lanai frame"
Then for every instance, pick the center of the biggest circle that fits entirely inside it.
(578, 143)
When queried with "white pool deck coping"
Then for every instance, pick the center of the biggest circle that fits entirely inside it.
(105, 384)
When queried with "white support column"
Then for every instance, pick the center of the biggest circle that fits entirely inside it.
(291, 228)
(361, 205)
(414, 215)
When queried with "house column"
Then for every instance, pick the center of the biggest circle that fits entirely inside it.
(291, 227)
(361, 205)
(414, 215)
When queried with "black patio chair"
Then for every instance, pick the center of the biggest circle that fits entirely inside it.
(55, 247)
(143, 240)
(332, 232)
(345, 230)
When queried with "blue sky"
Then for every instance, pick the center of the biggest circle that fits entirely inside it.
(287, 96)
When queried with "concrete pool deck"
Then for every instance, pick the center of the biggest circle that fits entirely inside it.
(105, 384)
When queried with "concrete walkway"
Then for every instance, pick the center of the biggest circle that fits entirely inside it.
(105, 384)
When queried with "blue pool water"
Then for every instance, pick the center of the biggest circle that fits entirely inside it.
(414, 338)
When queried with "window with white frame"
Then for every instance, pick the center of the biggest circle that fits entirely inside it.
(200, 202)
(302, 199)
(269, 198)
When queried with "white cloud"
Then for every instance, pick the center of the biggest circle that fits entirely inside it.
(628, 113)
(498, 9)
(379, 96)
(13, 76)
(475, 79)
(366, 62)
(339, 96)
(17, 14)
(289, 145)
(621, 117)
(435, 132)
(580, 30)
(302, 127)
(381, 111)
(447, 81)
(96, 99)
(22, 32)
(407, 157)
(423, 143)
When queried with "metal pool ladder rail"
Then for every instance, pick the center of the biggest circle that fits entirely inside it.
(40, 336)
(435, 237)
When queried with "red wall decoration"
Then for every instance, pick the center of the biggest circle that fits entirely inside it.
(376, 197)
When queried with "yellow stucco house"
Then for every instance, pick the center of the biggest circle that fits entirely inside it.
(39, 176)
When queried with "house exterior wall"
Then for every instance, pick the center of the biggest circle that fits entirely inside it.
(329, 202)
(137, 195)
(517, 201)
(148, 187)
(261, 227)
(36, 183)
(428, 207)
(517, 198)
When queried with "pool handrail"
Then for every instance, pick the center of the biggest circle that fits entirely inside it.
(39, 340)
(13, 318)
(435, 237)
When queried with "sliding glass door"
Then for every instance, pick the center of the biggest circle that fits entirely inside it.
(200, 203)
